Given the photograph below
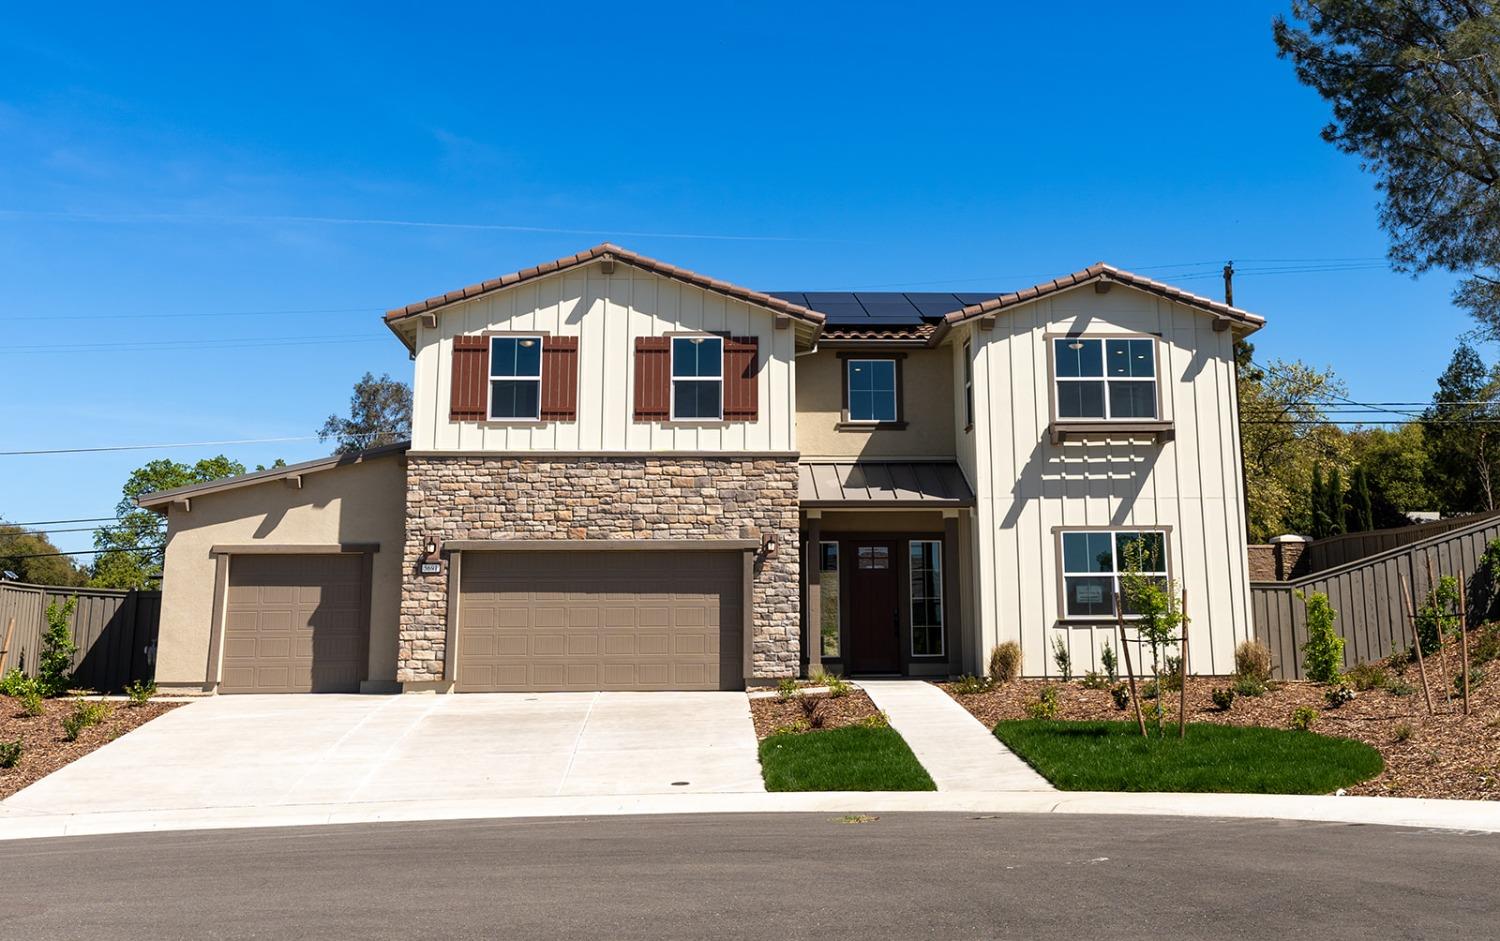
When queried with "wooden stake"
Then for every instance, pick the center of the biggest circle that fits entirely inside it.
(10, 630)
(1416, 638)
(1463, 636)
(1182, 699)
(1140, 719)
(1442, 653)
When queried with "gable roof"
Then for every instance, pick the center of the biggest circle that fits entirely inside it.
(1100, 272)
(610, 251)
(158, 500)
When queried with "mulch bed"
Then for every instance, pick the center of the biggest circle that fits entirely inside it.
(772, 715)
(44, 748)
(1446, 755)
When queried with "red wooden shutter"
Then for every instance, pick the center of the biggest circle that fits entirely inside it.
(559, 378)
(653, 378)
(469, 390)
(741, 379)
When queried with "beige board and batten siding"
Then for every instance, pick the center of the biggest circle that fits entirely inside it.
(607, 313)
(1026, 486)
(353, 504)
(926, 388)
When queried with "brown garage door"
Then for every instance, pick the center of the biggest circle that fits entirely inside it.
(294, 624)
(618, 620)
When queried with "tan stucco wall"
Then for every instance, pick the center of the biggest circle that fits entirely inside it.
(354, 503)
(927, 380)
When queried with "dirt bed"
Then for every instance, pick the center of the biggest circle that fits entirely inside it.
(772, 715)
(44, 747)
(1444, 755)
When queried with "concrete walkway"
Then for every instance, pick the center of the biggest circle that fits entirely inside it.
(959, 752)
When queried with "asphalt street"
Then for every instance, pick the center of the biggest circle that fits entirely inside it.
(762, 877)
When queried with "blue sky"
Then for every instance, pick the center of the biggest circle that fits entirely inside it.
(210, 203)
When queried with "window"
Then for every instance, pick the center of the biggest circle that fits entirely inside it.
(872, 390)
(697, 378)
(874, 557)
(515, 378)
(828, 580)
(926, 564)
(1105, 379)
(1092, 562)
(968, 386)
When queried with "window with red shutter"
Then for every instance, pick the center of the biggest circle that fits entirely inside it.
(741, 379)
(559, 379)
(653, 378)
(468, 398)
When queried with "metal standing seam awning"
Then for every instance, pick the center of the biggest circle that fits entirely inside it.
(908, 485)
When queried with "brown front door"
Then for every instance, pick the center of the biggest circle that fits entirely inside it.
(874, 609)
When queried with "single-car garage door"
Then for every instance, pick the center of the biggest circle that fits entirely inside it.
(599, 620)
(294, 624)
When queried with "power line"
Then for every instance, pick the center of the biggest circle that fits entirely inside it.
(366, 438)
(204, 343)
(202, 313)
(85, 519)
(54, 555)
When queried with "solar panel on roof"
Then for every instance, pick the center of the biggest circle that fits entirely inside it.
(817, 298)
(843, 313)
(972, 297)
(791, 297)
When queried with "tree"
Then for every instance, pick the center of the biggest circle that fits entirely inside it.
(1415, 90)
(32, 557)
(1359, 508)
(1333, 503)
(1394, 461)
(1460, 432)
(1318, 500)
(131, 548)
(379, 413)
(1284, 432)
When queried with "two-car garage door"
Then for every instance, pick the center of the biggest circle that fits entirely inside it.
(599, 620)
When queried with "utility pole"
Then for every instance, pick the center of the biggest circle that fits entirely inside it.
(1229, 283)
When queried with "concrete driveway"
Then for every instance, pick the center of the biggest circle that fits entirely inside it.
(278, 751)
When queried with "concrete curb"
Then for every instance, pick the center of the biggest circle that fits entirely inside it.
(1472, 816)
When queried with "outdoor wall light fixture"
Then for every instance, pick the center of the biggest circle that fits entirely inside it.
(432, 547)
(768, 545)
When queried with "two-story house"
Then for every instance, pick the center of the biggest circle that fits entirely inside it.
(626, 475)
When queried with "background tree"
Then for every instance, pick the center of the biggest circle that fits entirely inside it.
(1459, 431)
(1359, 509)
(379, 413)
(1284, 432)
(1394, 461)
(131, 548)
(1333, 503)
(1318, 499)
(32, 557)
(1415, 90)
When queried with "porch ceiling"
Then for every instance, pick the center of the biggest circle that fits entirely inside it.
(883, 484)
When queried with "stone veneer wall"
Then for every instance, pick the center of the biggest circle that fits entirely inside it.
(479, 497)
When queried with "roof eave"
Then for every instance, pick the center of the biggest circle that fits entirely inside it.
(159, 500)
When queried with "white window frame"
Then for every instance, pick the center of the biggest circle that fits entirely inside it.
(968, 386)
(942, 625)
(1165, 532)
(838, 610)
(895, 391)
(489, 407)
(1104, 378)
(672, 370)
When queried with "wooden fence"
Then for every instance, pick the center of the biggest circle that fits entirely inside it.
(115, 631)
(1366, 593)
(1323, 554)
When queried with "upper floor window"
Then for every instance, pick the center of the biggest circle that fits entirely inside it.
(697, 378)
(968, 386)
(872, 390)
(515, 378)
(1093, 560)
(1105, 379)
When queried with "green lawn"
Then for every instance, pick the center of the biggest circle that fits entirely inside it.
(853, 758)
(1112, 756)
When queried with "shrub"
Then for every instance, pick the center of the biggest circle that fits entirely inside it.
(10, 754)
(14, 682)
(1121, 696)
(1367, 676)
(1303, 718)
(1005, 662)
(1061, 658)
(837, 685)
(1223, 698)
(1400, 688)
(785, 689)
(1149, 690)
(140, 692)
(1044, 706)
(86, 713)
(1110, 662)
(1252, 660)
(1249, 686)
(32, 703)
(878, 721)
(1484, 646)
(1399, 660)
(1403, 732)
(1171, 676)
(56, 661)
(1476, 679)
(1093, 679)
(1338, 694)
(1438, 614)
(968, 685)
(1323, 654)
